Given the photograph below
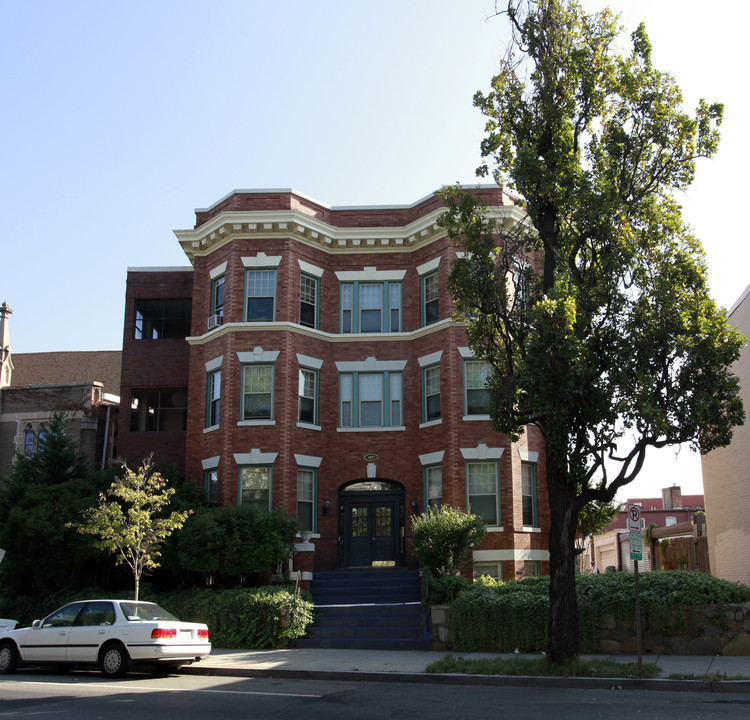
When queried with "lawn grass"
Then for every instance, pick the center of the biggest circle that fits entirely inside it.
(541, 667)
(711, 677)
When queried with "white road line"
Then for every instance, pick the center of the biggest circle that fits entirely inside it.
(130, 688)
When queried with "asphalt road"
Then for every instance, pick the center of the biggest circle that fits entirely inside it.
(88, 696)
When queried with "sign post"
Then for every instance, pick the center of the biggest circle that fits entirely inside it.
(636, 554)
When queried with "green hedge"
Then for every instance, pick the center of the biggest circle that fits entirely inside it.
(246, 618)
(496, 617)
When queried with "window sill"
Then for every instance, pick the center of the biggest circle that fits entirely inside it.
(245, 423)
(431, 423)
(468, 418)
(371, 429)
(210, 429)
(495, 528)
(531, 529)
(308, 426)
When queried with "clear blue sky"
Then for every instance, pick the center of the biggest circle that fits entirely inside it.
(119, 119)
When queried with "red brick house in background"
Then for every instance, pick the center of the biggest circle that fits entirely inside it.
(323, 374)
(611, 549)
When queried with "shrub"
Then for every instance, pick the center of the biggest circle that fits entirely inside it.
(442, 538)
(501, 618)
(444, 590)
(258, 618)
(228, 545)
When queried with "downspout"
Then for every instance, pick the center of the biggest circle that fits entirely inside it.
(105, 444)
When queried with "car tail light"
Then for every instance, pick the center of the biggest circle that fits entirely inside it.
(203, 634)
(164, 633)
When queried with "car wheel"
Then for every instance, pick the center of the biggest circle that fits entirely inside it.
(8, 658)
(113, 660)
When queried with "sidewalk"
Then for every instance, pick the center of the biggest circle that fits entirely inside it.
(410, 666)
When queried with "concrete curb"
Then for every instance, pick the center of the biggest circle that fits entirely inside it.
(653, 685)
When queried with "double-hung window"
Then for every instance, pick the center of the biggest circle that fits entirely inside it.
(431, 393)
(370, 400)
(255, 486)
(482, 490)
(528, 494)
(371, 301)
(379, 399)
(211, 486)
(476, 392)
(261, 295)
(306, 490)
(308, 389)
(308, 395)
(308, 301)
(257, 392)
(429, 287)
(213, 398)
(309, 294)
(217, 297)
(433, 482)
(370, 307)
(430, 299)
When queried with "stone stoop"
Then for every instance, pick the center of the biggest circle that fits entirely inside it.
(377, 609)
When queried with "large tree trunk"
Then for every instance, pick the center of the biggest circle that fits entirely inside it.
(563, 621)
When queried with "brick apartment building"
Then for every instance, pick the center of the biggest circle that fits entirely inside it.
(323, 374)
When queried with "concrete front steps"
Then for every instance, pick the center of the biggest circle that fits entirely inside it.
(378, 609)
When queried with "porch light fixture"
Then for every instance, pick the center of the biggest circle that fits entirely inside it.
(326, 507)
(414, 505)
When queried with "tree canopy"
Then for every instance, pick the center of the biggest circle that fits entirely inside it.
(593, 310)
(44, 490)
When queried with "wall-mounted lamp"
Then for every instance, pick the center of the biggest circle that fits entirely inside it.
(414, 505)
(326, 507)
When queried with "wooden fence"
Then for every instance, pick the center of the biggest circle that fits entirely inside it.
(681, 553)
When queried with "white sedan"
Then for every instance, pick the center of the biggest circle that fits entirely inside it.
(113, 634)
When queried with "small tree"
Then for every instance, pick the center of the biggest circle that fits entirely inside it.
(442, 538)
(129, 520)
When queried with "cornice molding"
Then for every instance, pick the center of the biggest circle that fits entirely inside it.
(234, 225)
(367, 338)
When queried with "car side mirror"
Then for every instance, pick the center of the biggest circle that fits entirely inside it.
(36, 624)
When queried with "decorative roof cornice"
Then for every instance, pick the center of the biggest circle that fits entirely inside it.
(231, 225)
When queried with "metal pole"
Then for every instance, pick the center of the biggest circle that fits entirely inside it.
(638, 633)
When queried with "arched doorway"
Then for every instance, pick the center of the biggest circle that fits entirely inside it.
(371, 524)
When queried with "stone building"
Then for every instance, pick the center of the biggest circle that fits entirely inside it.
(85, 385)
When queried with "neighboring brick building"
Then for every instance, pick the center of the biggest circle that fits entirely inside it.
(34, 385)
(323, 374)
(726, 476)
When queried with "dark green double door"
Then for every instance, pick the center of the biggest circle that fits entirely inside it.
(371, 529)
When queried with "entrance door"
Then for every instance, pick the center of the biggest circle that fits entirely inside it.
(370, 528)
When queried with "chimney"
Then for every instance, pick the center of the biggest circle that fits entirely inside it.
(671, 497)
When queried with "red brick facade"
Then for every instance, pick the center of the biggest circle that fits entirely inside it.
(294, 235)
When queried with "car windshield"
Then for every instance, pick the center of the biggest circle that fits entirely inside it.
(145, 611)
